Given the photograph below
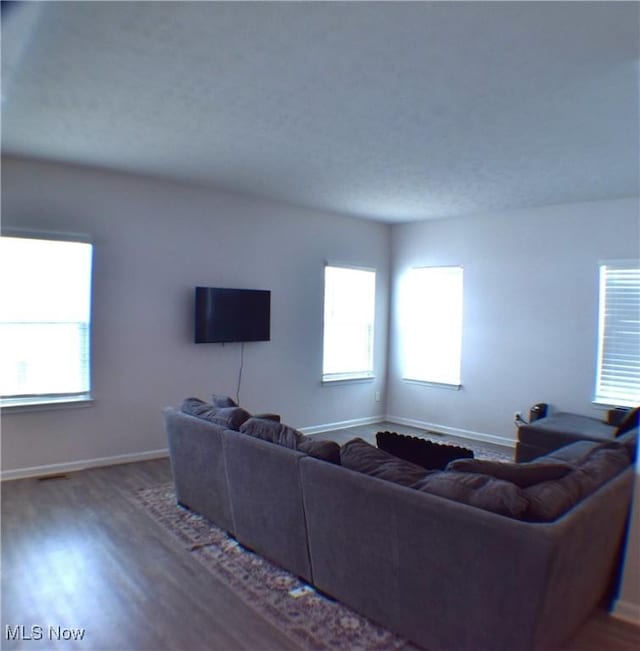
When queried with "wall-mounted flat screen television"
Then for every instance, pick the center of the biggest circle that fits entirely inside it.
(225, 315)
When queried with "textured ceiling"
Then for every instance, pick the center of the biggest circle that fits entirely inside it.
(391, 111)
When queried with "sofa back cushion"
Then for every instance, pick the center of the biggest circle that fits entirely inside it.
(550, 499)
(520, 474)
(197, 407)
(228, 417)
(220, 400)
(272, 431)
(363, 457)
(474, 489)
(281, 434)
(482, 491)
(325, 450)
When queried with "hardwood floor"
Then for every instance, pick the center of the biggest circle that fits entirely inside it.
(77, 554)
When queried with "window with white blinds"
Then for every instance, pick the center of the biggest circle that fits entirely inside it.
(431, 303)
(349, 313)
(618, 372)
(45, 306)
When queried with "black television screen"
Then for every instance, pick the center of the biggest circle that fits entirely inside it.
(225, 315)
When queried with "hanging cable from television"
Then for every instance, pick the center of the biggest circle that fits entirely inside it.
(240, 373)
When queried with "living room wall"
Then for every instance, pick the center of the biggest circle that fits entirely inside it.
(530, 311)
(154, 241)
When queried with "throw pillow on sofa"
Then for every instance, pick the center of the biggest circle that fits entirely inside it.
(520, 474)
(363, 457)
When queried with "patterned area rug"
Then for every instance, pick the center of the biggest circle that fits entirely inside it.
(311, 620)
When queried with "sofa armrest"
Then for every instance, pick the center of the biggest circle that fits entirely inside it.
(198, 466)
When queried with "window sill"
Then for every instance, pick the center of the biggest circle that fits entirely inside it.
(347, 379)
(605, 406)
(44, 403)
(436, 385)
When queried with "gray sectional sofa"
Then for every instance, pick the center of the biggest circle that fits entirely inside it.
(444, 574)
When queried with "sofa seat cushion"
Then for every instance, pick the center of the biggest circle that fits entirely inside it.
(275, 432)
(520, 474)
(425, 453)
(363, 457)
(551, 499)
(227, 417)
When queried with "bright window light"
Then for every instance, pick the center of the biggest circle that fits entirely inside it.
(618, 363)
(45, 305)
(431, 325)
(349, 309)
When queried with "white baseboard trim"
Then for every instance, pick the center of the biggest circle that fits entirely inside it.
(453, 431)
(344, 424)
(627, 611)
(72, 466)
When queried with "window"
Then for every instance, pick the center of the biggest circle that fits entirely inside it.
(431, 325)
(45, 297)
(618, 372)
(349, 307)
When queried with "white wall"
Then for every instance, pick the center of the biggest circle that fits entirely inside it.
(154, 241)
(530, 310)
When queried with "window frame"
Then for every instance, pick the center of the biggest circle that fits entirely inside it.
(52, 400)
(352, 376)
(601, 397)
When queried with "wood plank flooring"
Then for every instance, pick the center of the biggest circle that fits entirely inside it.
(76, 553)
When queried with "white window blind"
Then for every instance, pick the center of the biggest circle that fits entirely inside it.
(45, 305)
(431, 325)
(349, 310)
(618, 372)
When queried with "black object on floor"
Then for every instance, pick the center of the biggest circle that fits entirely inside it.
(429, 455)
